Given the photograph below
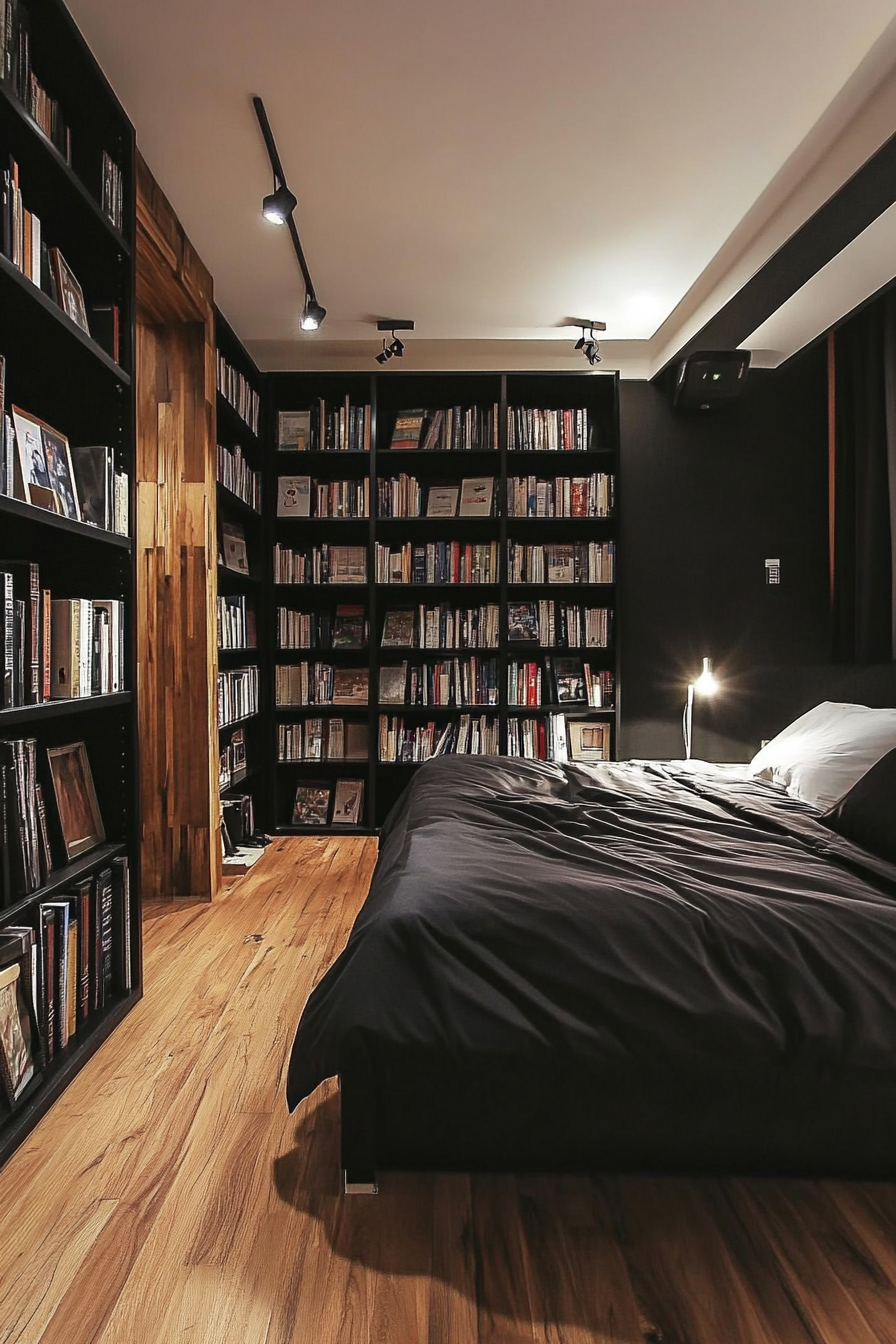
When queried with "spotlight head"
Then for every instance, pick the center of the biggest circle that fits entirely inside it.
(706, 683)
(277, 207)
(580, 343)
(594, 357)
(312, 315)
(385, 354)
(397, 348)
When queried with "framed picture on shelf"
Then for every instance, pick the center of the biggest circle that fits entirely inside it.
(80, 822)
(294, 431)
(71, 296)
(350, 685)
(17, 1064)
(398, 629)
(233, 548)
(569, 681)
(522, 623)
(294, 497)
(312, 805)
(348, 802)
(45, 463)
(588, 741)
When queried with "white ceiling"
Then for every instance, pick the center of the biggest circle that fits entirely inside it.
(491, 167)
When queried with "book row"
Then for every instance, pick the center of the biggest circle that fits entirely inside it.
(561, 681)
(591, 496)
(235, 474)
(554, 624)
(323, 740)
(236, 623)
(567, 562)
(233, 760)
(556, 737)
(237, 390)
(402, 497)
(300, 497)
(16, 72)
(55, 648)
(447, 429)
(60, 969)
(533, 430)
(322, 804)
(441, 627)
(346, 629)
(451, 681)
(468, 735)
(319, 684)
(320, 564)
(49, 814)
(341, 429)
(112, 197)
(237, 695)
(437, 562)
(39, 466)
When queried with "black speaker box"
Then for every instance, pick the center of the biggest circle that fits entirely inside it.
(709, 379)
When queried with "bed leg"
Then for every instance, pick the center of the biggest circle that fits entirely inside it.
(359, 1183)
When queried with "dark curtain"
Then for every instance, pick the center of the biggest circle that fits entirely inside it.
(865, 485)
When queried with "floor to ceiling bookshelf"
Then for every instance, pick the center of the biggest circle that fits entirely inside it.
(493, 453)
(70, 367)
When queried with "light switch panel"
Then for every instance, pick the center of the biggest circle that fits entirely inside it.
(773, 571)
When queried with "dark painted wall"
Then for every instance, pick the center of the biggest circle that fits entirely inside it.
(705, 499)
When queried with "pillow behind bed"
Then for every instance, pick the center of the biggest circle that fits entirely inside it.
(867, 814)
(823, 753)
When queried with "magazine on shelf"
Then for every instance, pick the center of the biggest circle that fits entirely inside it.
(311, 806)
(522, 622)
(393, 681)
(348, 802)
(441, 501)
(233, 548)
(294, 431)
(476, 497)
(398, 629)
(294, 497)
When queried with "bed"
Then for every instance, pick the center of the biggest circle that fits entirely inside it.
(633, 966)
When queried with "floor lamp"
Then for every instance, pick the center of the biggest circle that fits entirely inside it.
(705, 684)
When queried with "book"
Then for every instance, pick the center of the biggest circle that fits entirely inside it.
(293, 496)
(348, 564)
(350, 628)
(569, 680)
(94, 470)
(357, 741)
(393, 683)
(350, 685)
(522, 622)
(311, 806)
(348, 802)
(21, 627)
(441, 501)
(476, 497)
(406, 434)
(294, 431)
(233, 548)
(398, 629)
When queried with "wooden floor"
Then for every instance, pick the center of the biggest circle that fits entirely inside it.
(170, 1199)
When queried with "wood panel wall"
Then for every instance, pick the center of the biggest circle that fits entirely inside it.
(177, 556)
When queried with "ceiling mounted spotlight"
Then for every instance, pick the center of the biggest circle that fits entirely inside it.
(395, 350)
(312, 314)
(278, 208)
(587, 344)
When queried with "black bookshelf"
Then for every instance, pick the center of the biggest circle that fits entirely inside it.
(239, 507)
(75, 381)
(388, 394)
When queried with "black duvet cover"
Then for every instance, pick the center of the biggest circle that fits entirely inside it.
(604, 923)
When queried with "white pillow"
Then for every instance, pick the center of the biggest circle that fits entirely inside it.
(822, 754)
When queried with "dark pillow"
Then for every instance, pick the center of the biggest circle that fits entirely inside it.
(867, 814)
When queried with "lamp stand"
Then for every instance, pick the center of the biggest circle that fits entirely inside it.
(687, 721)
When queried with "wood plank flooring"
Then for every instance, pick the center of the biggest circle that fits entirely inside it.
(169, 1198)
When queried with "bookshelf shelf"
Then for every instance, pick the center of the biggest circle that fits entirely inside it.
(50, 317)
(47, 159)
(58, 709)
(229, 418)
(228, 500)
(73, 585)
(37, 517)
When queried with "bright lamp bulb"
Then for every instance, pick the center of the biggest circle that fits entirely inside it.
(706, 683)
(312, 315)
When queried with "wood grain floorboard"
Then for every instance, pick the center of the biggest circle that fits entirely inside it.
(169, 1198)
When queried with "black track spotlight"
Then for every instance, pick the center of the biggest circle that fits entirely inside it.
(395, 349)
(586, 344)
(312, 314)
(580, 343)
(278, 207)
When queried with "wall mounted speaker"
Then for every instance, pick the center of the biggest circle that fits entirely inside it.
(710, 378)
